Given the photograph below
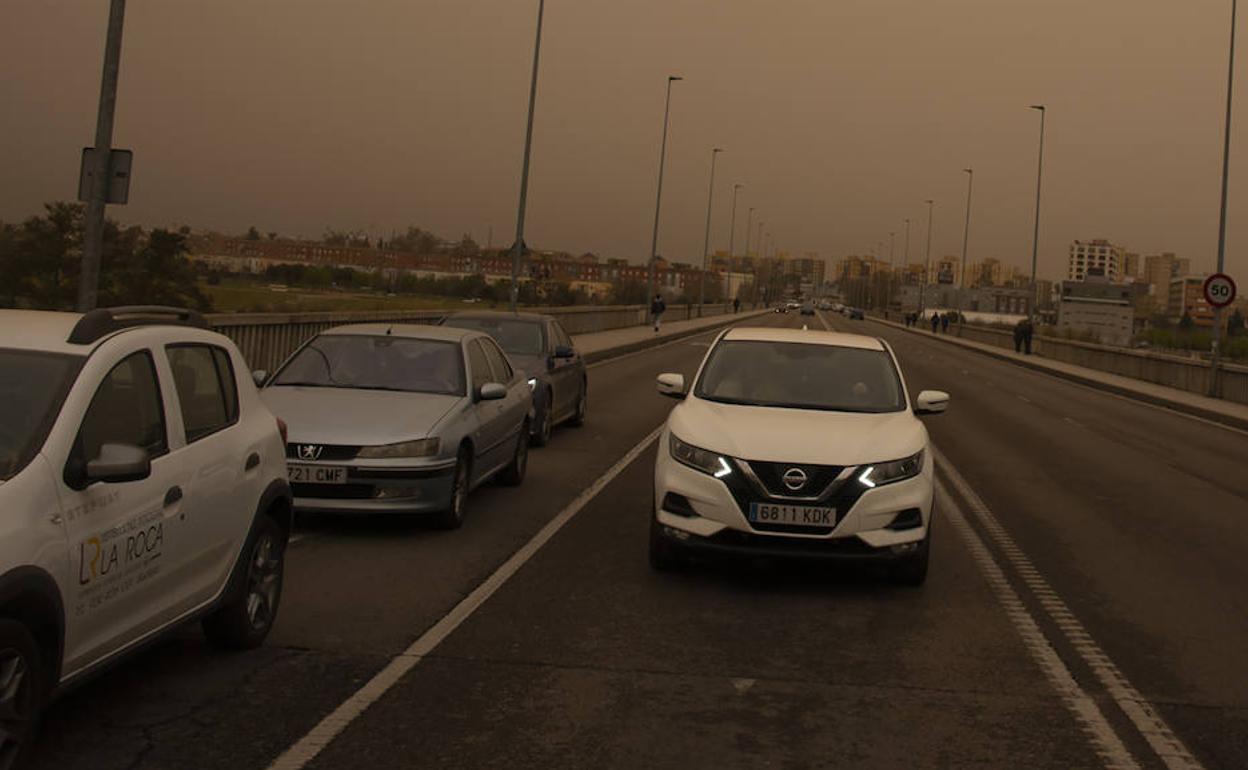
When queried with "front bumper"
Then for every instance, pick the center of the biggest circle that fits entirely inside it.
(881, 524)
(423, 489)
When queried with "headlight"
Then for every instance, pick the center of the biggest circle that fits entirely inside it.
(699, 459)
(880, 474)
(532, 383)
(424, 447)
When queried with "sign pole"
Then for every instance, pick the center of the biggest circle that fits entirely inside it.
(1216, 361)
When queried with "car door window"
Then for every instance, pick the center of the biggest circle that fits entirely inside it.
(126, 409)
(498, 362)
(479, 364)
(204, 379)
(562, 337)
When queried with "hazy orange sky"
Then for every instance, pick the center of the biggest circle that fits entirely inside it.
(839, 116)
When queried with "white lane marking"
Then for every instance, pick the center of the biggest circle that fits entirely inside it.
(1165, 744)
(742, 686)
(1108, 746)
(310, 745)
(1024, 398)
(1073, 422)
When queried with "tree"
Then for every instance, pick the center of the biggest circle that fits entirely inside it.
(1235, 324)
(253, 234)
(150, 269)
(1186, 323)
(416, 241)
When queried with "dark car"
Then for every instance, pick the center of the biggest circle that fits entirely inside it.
(540, 348)
(855, 314)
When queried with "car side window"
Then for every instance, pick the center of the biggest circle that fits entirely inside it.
(562, 337)
(479, 364)
(498, 362)
(208, 394)
(126, 409)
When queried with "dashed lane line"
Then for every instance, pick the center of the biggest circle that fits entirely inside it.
(1083, 708)
(1150, 725)
(310, 745)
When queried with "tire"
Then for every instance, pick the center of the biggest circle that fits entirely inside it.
(582, 407)
(513, 474)
(22, 682)
(545, 421)
(665, 556)
(912, 571)
(246, 618)
(453, 517)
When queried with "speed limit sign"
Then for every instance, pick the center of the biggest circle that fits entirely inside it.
(1219, 290)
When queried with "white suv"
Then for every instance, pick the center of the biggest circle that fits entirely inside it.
(796, 443)
(142, 483)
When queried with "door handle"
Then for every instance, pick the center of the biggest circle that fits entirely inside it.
(173, 495)
(253, 460)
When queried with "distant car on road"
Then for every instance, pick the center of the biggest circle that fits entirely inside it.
(400, 419)
(544, 353)
(143, 485)
(781, 308)
(795, 443)
(855, 314)
(825, 305)
(808, 308)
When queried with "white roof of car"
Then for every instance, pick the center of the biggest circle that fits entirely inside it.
(39, 330)
(805, 336)
(412, 331)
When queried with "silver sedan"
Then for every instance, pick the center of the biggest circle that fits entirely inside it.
(400, 418)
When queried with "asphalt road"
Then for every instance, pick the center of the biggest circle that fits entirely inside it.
(588, 658)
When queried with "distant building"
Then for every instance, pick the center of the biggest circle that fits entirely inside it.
(1187, 297)
(1098, 306)
(986, 273)
(1159, 269)
(1099, 253)
(1130, 264)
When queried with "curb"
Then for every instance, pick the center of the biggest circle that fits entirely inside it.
(1092, 382)
(649, 342)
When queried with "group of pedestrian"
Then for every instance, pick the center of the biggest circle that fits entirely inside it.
(940, 321)
(658, 306)
(1022, 336)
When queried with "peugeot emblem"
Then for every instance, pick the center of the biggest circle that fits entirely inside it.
(313, 452)
(794, 479)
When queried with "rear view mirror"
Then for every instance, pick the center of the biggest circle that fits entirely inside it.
(564, 351)
(493, 391)
(259, 376)
(671, 385)
(118, 463)
(931, 402)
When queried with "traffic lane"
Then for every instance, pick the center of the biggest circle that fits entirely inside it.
(357, 590)
(588, 658)
(1147, 553)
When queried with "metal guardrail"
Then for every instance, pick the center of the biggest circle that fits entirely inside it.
(266, 339)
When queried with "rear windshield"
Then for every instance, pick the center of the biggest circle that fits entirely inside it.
(799, 375)
(517, 337)
(377, 363)
(32, 390)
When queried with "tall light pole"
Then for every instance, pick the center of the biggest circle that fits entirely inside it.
(732, 231)
(749, 218)
(927, 270)
(1035, 238)
(892, 267)
(517, 248)
(99, 160)
(966, 237)
(658, 198)
(706, 242)
(1226, 157)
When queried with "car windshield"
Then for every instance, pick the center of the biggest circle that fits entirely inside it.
(377, 363)
(799, 375)
(515, 336)
(32, 390)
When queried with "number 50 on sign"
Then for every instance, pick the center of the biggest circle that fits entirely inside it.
(1219, 290)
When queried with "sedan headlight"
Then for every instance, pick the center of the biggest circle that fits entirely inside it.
(532, 383)
(880, 474)
(424, 447)
(699, 459)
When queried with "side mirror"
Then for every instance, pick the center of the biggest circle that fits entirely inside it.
(118, 463)
(258, 376)
(493, 391)
(671, 385)
(931, 402)
(564, 351)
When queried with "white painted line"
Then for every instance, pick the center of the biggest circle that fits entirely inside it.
(310, 745)
(1109, 747)
(1024, 398)
(1165, 744)
(1073, 422)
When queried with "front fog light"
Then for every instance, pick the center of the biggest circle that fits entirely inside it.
(901, 549)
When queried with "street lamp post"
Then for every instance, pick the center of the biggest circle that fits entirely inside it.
(706, 243)
(732, 231)
(927, 269)
(99, 160)
(749, 218)
(892, 268)
(658, 198)
(1035, 238)
(966, 236)
(517, 248)
(1226, 157)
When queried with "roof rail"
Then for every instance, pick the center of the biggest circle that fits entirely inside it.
(105, 320)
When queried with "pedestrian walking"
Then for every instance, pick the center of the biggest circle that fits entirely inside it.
(935, 321)
(657, 306)
(1028, 330)
(944, 323)
(736, 304)
(1018, 336)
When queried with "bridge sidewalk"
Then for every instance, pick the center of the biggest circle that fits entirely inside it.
(1217, 410)
(599, 345)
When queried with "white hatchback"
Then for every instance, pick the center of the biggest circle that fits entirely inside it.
(143, 484)
(795, 443)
